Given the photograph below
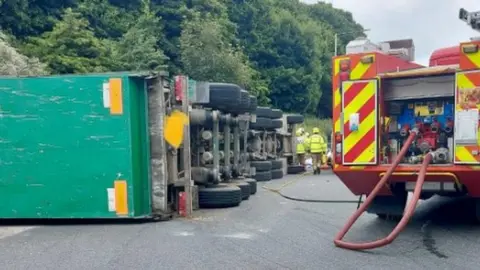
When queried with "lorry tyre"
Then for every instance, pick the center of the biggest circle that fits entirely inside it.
(277, 164)
(253, 185)
(295, 119)
(224, 96)
(263, 112)
(244, 186)
(244, 104)
(277, 174)
(253, 104)
(276, 123)
(276, 113)
(295, 169)
(261, 123)
(219, 196)
(261, 166)
(263, 176)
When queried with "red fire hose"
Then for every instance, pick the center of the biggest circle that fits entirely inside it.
(407, 214)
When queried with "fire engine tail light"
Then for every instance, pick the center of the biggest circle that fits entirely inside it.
(338, 148)
(344, 70)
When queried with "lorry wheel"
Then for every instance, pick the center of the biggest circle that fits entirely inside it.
(276, 123)
(261, 123)
(253, 185)
(276, 113)
(244, 186)
(224, 96)
(263, 112)
(295, 119)
(277, 164)
(244, 104)
(219, 196)
(295, 169)
(277, 174)
(261, 166)
(253, 104)
(263, 176)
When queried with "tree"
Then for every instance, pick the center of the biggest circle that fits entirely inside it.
(138, 49)
(71, 47)
(207, 56)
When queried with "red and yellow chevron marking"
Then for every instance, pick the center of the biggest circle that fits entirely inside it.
(360, 147)
(469, 61)
(358, 71)
(467, 81)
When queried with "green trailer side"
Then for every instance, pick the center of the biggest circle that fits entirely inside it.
(75, 146)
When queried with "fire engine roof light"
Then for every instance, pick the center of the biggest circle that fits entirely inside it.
(367, 59)
(470, 48)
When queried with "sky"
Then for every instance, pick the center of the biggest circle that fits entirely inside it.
(432, 24)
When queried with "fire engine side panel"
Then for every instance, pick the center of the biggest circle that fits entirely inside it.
(467, 97)
(469, 61)
(357, 71)
(359, 104)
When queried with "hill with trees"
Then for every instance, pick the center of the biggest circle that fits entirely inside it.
(278, 49)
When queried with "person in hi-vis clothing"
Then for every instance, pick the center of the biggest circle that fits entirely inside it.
(301, 151)
(317, 148)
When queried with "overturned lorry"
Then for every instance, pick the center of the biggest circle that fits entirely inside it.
(93, 146)
(401, 127)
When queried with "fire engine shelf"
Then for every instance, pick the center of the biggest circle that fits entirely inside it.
(74, 147)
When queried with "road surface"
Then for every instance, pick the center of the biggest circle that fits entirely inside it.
(265, 232)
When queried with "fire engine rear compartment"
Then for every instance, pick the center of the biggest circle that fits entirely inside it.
(430, 103)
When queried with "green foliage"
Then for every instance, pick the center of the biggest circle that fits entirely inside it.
(138, 49)
(71, 47)
(208, 56)
(279, 50)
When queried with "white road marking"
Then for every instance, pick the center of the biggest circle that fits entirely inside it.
(13, 230)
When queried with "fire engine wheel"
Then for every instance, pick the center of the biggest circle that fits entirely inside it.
(277, 164)
(244, 186)
(276, 113)
(389, 217)
(295, 169)
(253, 185)
(277, 174)
(261, 166)
(253, 104)
(295, 119)
(225, 96)
(261, 123)
(219, 196)
(263, 176)
(263, 112)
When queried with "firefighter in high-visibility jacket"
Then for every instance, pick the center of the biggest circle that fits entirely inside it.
(301, 151)
(317, 148)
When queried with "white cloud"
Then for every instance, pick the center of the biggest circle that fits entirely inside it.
(432, 24)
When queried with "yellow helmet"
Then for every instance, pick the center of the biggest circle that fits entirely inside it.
(316, 130)
(307, 134)
(300, 131)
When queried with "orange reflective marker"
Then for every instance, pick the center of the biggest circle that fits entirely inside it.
(173, 129)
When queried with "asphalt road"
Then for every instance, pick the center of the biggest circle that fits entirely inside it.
(265, 232)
